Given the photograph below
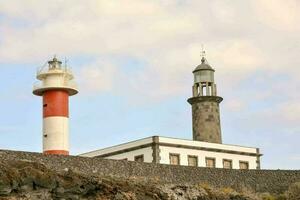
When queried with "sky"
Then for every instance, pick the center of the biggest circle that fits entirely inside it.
(133, 63)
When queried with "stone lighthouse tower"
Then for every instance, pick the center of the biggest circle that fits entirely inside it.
(205, 105)
(56, 87)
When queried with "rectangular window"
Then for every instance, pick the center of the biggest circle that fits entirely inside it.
(227, 164)
(244, 165)
(139, 158)
(193, 161)
(174, 159)
(210, 162)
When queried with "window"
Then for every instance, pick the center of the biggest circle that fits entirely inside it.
(192, 160)
(244, 165)
(227, 164)
(210, 162)
(209, 90)
(204, 90)
(174, 159)
(139, 158)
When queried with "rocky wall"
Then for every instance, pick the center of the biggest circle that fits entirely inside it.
(272, 181)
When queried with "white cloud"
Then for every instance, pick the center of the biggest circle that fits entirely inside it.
(166, 35)
(235, 105)
(289, 112)
(96, 27)
(278, 14)
(97, 77)
(241, 55)
(224, 11)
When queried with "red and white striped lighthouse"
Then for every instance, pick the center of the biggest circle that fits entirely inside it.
(56, 87)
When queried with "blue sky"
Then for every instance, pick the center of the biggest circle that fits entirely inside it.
(133, 62)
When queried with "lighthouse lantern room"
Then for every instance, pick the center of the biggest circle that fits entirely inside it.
(56, 86)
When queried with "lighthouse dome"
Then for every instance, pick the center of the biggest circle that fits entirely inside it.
(203, 66)
(203, 72)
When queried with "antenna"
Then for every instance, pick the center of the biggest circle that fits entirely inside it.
(66, 61)
(41, 68)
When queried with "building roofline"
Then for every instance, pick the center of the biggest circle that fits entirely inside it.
(153, 141)
(208, 142)
(117, 145)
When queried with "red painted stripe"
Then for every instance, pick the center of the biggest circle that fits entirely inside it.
(57, 152)
(55, 103)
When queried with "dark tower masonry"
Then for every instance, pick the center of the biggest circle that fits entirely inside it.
(205, 105)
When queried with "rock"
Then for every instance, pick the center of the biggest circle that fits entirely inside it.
(23, 180)
(5, 189)
(293, 192)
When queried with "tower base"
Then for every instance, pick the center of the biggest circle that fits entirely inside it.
(57, 152)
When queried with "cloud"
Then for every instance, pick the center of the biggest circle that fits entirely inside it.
(96, 77)
(235, 105)
(281, 119)
(105, 27)
(280, 15)
(239, 55)
(289, 113)
(223, 11)
(165, 35)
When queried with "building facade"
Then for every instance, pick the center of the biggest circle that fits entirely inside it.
(164, 150)
(206, 148)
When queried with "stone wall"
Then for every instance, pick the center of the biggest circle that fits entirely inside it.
(206, 118)
(273, 181)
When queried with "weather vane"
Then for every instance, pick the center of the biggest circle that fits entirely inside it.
(202, 54)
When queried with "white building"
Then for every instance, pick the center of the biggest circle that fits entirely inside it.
(206, 148)
(164, 150)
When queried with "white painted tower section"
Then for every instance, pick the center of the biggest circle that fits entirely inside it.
(55, 87)
(57, 130)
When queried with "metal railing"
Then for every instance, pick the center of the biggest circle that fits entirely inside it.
(44, 69)
(69, 84)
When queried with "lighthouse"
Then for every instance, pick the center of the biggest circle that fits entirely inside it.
(55, 86)
(205, 104)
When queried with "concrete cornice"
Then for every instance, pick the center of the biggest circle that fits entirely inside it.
(193, 100)
(155, 145)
